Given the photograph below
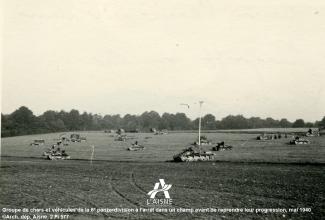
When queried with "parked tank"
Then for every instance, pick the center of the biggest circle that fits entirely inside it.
(38, 142)
(265, 137)
(58, 157)
(136, 147)
(75, 137)
(120, 131)
(162, 132)
(203, 141)
(57, 154)
(120, 138)
(221, 146)
(312, 133)
(191, 154)
(299, 140)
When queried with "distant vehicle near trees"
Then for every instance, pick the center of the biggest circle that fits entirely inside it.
(38, 142)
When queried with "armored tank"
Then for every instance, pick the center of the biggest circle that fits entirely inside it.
(38, 142)
(265, 137)
(136, 147)
(120, 131)
(299, 140)
(312, 133)
(120, 138)
(221, 146)
(75, 137)
(192, 154)
(203, 141)
(56, 155)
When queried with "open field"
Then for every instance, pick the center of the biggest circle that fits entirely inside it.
(38, 184)
(255, 174)
(163, 147)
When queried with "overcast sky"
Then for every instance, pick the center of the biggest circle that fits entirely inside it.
(252, 57)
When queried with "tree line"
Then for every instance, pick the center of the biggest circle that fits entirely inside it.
(22, 122)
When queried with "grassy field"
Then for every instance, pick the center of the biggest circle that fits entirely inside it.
(163, 147)
(255, 174)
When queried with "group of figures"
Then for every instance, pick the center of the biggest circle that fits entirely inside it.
(57, 151)
(120, 135)
(158, 132)
(135, 147)
(265, 137)
(296, 137)
(195, 152)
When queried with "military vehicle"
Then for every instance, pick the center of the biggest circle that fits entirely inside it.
(135, 147)
(52, 154)
(312, 133)
(221, 146)
(299, 140)
(265, 137)
(120, 131)
(38, 142)
(120, 138)
(75, 137)
(203, 140)
(193, 154)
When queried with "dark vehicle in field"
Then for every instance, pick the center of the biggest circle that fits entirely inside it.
(120, 131)
(266, 137)
(299, 140)
(313, 133)
(203, 141)
(191, 154)
(221, 146)
(120, 138)
(136, 147)
(58, 157)
(75, 137)
(56, 154)
(38, 142)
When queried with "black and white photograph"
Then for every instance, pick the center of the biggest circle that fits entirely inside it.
(162, 109)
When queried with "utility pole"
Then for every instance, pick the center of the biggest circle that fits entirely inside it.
(200, 102)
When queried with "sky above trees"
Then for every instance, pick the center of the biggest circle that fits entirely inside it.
(256, 58)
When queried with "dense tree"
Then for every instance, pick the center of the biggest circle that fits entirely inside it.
(23, 121)
(181, 122)
(73, 121)
(149, 120)
(165, 122)
(309, 125)
(86, 121)
(208, 122)
(255, 122)
(271, 123)
(130, 122)
(299, 123)
(23, 116)
(322, 123)
(284, 123)
(234, 122)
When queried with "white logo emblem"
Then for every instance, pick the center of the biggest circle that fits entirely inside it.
(164, 188)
